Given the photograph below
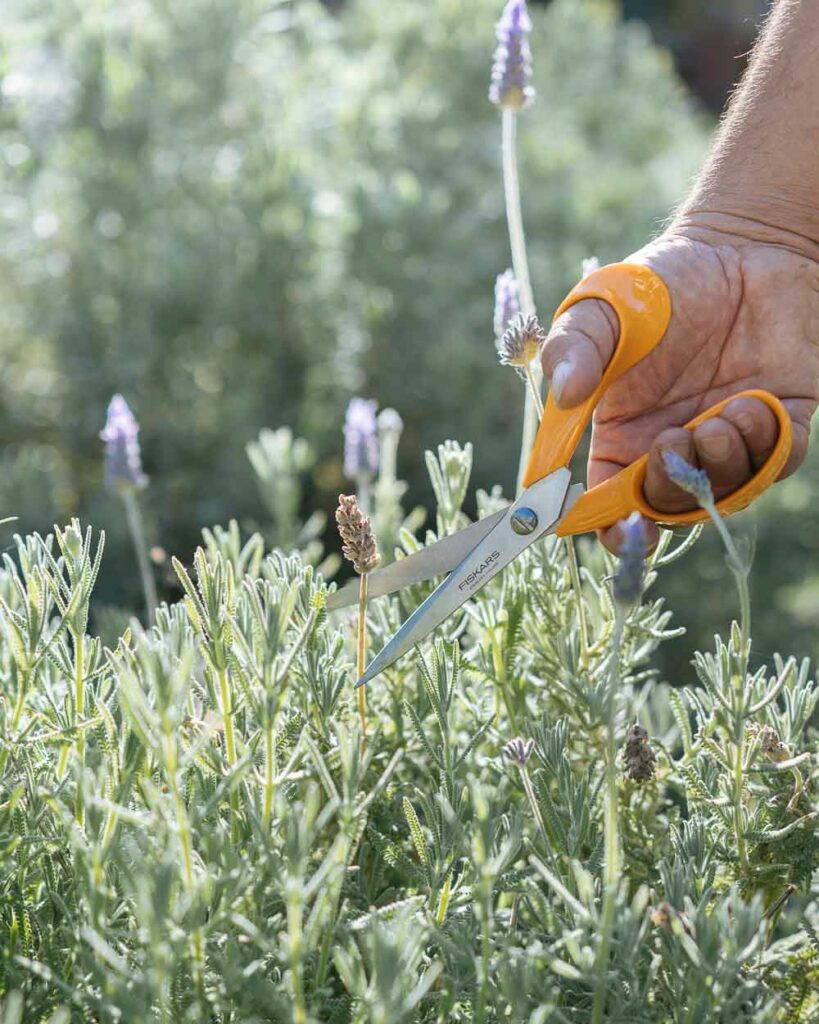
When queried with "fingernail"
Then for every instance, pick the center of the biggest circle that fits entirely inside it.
(745, 422)
(715, 446)
(560, 378)
(681, 448)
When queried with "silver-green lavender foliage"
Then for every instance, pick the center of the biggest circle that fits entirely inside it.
(200, 837)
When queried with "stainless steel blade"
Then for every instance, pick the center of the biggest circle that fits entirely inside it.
(538, 509)
(436, 560)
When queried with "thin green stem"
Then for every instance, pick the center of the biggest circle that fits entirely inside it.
(362, 655)
(269, 768)
(520, 265)
(611, 880)
(534, 391)
(79, 713)
(501, 687)
(294, 927)
(230, 743)
(583, 626)
(739, 570)
(134, 517)
(530, 796)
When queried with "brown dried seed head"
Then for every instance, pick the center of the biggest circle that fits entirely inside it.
(640, 760)
(771, 745)
(356, 534)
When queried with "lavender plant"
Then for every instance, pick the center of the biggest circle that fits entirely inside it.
(538, 829)
(124, 476)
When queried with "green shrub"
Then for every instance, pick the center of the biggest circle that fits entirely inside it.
(189, 829)
(239, 215)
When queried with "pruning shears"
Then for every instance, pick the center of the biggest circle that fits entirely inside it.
(550, 502)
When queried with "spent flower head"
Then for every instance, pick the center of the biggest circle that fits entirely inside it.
(627, 585)
(518, 750)
(123, 462)
(511, 85)
(507, 302)
(356, 534)
(638, 756)
(360, 439)
(684, 475)
(521, 341)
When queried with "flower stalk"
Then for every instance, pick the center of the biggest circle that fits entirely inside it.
(358, 547)
(520, 263)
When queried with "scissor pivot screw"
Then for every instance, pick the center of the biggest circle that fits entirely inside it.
(524, 520)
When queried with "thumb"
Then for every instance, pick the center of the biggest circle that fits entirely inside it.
(578, 349)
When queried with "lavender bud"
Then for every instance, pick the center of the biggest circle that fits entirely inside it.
(521, 341)
(507, 302)
(627, 585)
(640, 760)
(512, 68)
(518, 750)
(684, 475)
(360, 439)
(389, 422)
(123, 463)
(590, 265)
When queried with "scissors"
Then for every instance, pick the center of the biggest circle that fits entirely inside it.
(550, 502)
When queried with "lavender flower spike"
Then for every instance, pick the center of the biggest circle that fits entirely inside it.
(360, 439)
(123, 462)
(627, 585)
(684, 475)
(512, 69)
(507, 302)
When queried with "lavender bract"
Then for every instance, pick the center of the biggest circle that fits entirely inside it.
(521, 341)
(512, 68)
(360, 439)
(507, 302)
(123, 462)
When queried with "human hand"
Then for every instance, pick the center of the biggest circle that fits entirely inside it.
(745, 314)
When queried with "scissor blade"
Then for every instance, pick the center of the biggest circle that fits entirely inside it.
(482, 563)
(436, 560)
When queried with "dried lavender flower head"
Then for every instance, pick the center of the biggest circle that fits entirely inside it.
(640, 760)
(521, 341)
(360, 439)
(123, 462)
(684, 475)
(507, 302)
(356, 534)
(512, 68)
(627, 585)
(518, 750)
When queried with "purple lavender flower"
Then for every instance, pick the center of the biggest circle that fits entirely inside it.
(360, 439)
(512, 68)
(123, 462)
(627, 585)
(507, 302)
(684, 475)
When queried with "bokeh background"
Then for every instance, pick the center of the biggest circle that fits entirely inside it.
(240, 214)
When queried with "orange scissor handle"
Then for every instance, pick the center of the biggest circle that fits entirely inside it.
(623, 494)
(643, 306)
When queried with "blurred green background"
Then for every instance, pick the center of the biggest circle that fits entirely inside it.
(239, 214)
